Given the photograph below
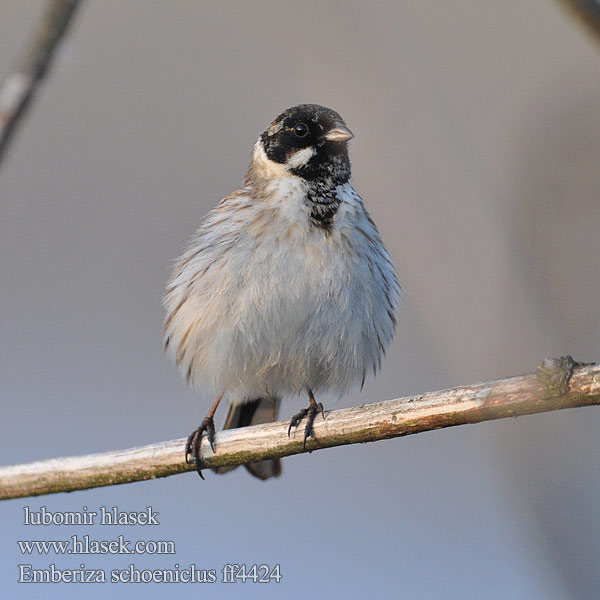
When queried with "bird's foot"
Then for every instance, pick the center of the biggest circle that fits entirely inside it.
(310, 413)
(194, 441)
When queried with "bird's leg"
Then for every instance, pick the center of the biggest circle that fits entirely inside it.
(310, 413)
(194, 441)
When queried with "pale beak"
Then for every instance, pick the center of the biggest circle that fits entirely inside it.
(340, 133)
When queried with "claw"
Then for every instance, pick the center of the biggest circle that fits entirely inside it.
(310, 419)
(194, 441)
(295, 420)
(310, 413)
(210, 433)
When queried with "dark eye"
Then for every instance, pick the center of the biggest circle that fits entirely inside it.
(301, 130)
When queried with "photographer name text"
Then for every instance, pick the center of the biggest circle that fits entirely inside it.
(104, 516)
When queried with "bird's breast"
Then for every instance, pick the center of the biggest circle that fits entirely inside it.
(273, 303)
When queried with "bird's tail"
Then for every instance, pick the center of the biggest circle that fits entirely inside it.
(254, 412)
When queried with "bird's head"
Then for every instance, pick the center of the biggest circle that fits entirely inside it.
(309, 141)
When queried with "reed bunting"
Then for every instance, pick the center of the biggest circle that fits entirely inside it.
(286, 287)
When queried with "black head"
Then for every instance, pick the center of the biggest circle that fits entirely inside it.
(311, 141)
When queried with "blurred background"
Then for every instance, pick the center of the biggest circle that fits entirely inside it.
(477, 136)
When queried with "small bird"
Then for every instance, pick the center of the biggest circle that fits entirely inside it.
(286, 287)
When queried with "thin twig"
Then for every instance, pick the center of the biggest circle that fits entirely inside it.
(559, 383)
(19, 87)
(586, 12)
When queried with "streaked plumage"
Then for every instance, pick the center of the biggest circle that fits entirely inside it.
(286, 286)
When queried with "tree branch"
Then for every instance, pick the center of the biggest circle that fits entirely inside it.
(19, 87)
(586, 12)
(559, 383)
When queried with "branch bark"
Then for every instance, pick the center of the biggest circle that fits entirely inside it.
(19, 87)
(559, 383)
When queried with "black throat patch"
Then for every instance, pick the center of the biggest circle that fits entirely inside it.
(323, 203)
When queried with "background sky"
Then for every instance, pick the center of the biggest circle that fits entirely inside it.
(477, 136)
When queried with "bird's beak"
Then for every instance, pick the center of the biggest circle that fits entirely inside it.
(340, 133)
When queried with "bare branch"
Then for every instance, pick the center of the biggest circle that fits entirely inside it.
(587, 12)
(19, 87)
(559, 383)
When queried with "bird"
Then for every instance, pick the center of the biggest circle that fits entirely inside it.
(286, 288)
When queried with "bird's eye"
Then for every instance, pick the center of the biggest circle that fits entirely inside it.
(301, 130)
